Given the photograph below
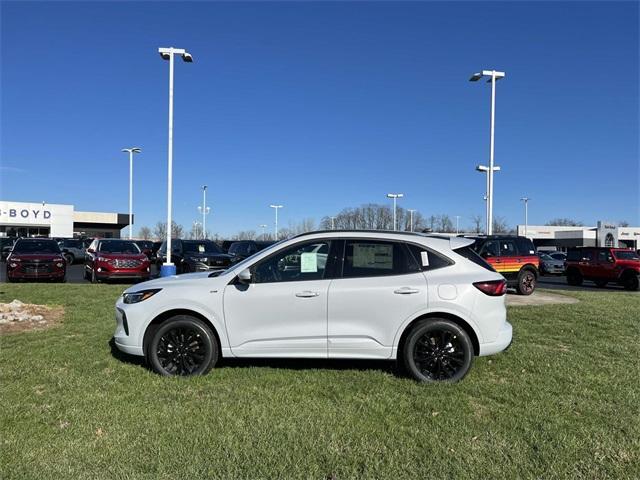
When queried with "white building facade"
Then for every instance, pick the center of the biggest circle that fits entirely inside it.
(28, 219)
(604, 234)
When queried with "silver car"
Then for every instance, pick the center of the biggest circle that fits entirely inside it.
(550, 265)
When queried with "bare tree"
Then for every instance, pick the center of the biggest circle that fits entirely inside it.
(245, 235)
(623, 223)
(500, 225)
(144, 233)
(477, 223)
(564, 222)
(160, 230)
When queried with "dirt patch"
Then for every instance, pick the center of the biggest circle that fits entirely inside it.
(21, 317)
(539, 298)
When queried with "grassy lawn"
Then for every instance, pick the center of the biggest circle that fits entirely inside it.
(563, 402)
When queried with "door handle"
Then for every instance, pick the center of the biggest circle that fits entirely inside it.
(307, 294)
(406, 291)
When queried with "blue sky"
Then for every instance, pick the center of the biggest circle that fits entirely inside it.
(320, 106)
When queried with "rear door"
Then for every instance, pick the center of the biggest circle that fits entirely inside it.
(606, 266)
(378, 288)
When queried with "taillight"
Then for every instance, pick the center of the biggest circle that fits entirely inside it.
(493, 288)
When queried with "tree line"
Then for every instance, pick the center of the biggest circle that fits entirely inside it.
(370, 216)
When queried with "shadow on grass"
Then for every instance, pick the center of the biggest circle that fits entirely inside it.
(385, 366)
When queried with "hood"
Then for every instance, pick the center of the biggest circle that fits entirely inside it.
(35, 257)
(635, 264)
(177, 281)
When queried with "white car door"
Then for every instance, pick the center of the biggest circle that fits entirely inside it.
(381, 286)
(283, 311)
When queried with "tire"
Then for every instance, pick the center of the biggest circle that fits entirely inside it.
(171, 351)
(94, 278)
(600, 283)
(427, 351)
(574, 277)
(526, 281)
(69, 258)
(630, 282)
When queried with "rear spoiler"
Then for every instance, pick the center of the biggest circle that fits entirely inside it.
(460, 242)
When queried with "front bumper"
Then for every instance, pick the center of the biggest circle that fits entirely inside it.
(16, 274)
(504, 339)
(126, 334)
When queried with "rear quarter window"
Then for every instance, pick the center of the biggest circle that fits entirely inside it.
(470, 254)
(434, 260)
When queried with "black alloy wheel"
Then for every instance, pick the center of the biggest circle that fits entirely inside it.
(526, 282)
(600, 283)
(631, 282)
(574, 277)
(438, 350)
(183, 346)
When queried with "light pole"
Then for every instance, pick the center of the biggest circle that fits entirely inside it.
(264, 232)
(131, 151)
(457, 224)
(333, 223)
(484, 169)
(526, 215)
(494, 76)
(276, 207)
(411, 210)
(395, 197)
(169, 268)
(205, 211)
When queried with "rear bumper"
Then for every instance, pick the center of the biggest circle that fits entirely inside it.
(504, 339)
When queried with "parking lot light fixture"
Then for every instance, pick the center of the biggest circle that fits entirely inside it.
(395, 197)
(276, 208)
(526, 215)
(457, 224)
(494, 76)
(130, 151)
(204, 210)
(411, 210)
(484, 169)
(169, 268)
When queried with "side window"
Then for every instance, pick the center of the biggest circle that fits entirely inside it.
(587, 255)
(525, 246)
(372, 258)
(603, 255)
(306, 261)
(508, 248)
(433, 260)
(490, 248)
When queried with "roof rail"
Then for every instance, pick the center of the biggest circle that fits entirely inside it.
(356, 230)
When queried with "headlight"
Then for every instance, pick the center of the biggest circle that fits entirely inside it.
(103, 259)
(136, 297)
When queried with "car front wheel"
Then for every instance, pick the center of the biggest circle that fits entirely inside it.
(182, 345)
(437, 350)
(631, 282)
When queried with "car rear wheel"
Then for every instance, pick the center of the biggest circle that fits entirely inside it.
(182, 345)
(631, 282)
(437, 350)
(574, 277)
(526, 282)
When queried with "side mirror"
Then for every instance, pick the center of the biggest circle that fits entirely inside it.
(610, 259)
(90, 250)
(245, 276)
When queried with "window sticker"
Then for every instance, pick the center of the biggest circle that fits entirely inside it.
(425, 258)
(200, 248)
(373, 256)
(308, 262)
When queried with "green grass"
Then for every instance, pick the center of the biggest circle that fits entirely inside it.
(563, 402)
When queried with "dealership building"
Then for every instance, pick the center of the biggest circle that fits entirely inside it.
(21, 219)
(604, 234)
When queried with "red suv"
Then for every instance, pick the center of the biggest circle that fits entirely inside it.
(603, 265)
(109, 259)
(36, 259)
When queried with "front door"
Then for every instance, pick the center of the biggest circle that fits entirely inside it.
(283, 311)
(381, 286)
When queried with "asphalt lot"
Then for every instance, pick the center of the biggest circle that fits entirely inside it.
(74, 275)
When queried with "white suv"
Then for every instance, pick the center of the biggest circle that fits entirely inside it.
(428, 301)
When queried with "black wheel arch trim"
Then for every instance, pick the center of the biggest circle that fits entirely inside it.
(164, 316)
(445, 316)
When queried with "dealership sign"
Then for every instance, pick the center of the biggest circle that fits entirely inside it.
(25, 213)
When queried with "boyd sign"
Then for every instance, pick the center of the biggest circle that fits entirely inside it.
(26, 213)
(23, 214)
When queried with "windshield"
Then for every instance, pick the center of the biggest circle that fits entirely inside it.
(144, 244)
(626, 255)
(204, 246)
(546, 257)
(118, 246)
(36, 246)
